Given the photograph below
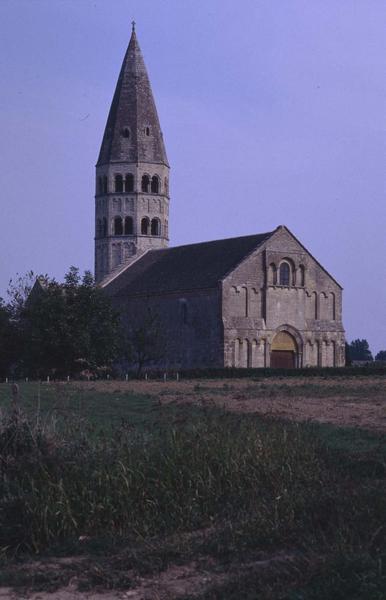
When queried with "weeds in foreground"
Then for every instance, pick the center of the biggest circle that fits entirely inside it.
(253, 485)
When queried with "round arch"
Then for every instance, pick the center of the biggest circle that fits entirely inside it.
(286, 348)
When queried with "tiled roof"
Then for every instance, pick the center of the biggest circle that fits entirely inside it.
(195, 266)
(133, 108)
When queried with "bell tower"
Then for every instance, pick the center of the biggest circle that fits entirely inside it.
(132, 172)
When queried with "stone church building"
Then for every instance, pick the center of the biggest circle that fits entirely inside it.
(254, 301)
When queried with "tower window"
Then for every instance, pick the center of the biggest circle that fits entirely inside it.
(129, 182)
(118, 183)
(128, 226)
(126, 132)
(155, 227)
(118, 226)
(166, 186)
(99, 228)
(284, 274)
(100, 185)
(104, 227)
(145, 223)
(145, 183)
(147, 131)
(105, 188)
(155, 184)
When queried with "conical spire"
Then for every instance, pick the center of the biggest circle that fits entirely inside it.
(133, 132)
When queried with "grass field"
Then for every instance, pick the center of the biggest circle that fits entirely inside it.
(269, 488)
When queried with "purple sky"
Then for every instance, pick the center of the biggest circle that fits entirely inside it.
(273, 112)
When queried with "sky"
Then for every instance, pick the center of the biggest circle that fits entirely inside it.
(273, 112)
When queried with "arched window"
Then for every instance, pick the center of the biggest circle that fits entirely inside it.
(128, 226)
(118, 183)
(145, 224)
(155, 184)
(126, 132)
(301, 276)
(155, 227)
(104, 227)
(147, 130)
(145, 183)
(100, 185)
(105, 186)
(129, 182)
(285, 273)
(118, 226)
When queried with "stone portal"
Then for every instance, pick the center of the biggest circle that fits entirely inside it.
(284, 351)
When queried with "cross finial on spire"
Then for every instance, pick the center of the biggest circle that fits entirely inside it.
(133, 26)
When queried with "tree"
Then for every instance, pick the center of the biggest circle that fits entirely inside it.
(66, 328)
(8, 340)
(144, 343)
(381, 355)
(19, 290)
(359, 350)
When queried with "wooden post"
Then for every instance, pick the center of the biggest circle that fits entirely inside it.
(15, 396)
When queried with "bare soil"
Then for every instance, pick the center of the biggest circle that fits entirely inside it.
(345, 402)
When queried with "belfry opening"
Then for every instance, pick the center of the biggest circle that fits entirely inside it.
(284, 351)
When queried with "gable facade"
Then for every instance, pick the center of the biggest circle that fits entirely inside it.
(282, 288)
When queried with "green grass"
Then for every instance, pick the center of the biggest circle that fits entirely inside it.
(153, 485)
(71, 404)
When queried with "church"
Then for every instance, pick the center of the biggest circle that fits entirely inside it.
(260, 300)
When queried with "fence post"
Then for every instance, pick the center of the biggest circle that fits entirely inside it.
(15, 396)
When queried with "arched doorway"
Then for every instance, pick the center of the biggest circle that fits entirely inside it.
(284, 351)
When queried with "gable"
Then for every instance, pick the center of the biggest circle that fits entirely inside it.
(283, 242)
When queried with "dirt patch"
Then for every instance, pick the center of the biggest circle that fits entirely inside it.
(177, 581)
(344, 401)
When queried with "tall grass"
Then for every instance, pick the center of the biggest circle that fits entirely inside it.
(59, 485)
(249, 484)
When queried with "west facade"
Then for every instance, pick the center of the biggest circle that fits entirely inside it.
(253, 301)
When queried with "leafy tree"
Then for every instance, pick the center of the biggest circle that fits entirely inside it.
(8, 340)
(144, 342)
(19, 290)
(381, 355)
(359, 350)
(348, 360)
(66, 328)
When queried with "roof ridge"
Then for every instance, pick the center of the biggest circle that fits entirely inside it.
(238, 237)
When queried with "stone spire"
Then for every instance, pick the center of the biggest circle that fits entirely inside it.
(132, 173)
(133, 132)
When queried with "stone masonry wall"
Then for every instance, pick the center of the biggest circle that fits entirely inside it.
(190, 322)
(256, 307)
